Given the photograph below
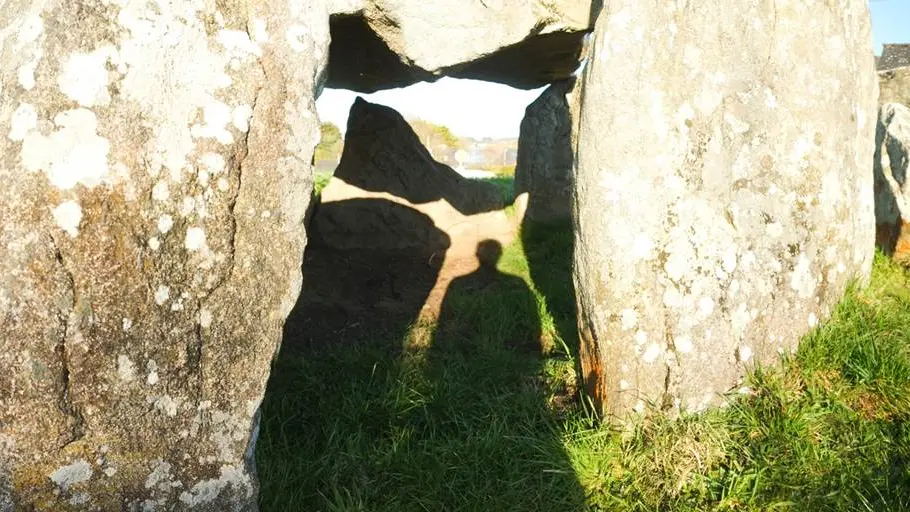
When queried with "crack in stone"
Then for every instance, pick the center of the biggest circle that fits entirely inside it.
(76, 422)
(671, 380)
(195, 351)
(194, 354)
(232, 237)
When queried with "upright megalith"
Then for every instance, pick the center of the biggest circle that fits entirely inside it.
(724, 193)
(892, 192)
(544, 167)
(384, 160)
(155, 160)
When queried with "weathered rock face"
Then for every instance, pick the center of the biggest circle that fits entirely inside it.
(155, 160)
(392, 43)
(894, 85)
(726, 208)
(545, 153)
(386, 176)
(892, 192)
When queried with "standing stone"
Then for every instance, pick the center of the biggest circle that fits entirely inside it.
(724, 193)
(155, 160)
(387, 186)
(545, 153)
(892, 192)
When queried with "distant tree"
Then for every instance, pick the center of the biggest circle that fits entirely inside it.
(438, 139)
(330, 143)
(445, 136)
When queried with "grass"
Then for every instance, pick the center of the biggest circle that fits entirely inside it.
(470, 416)
(320, 181)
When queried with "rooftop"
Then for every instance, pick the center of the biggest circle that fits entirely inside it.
(894, 56)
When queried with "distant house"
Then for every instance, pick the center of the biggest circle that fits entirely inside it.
(510, 156)
(326, 166)
(894, 56)
(443, 153)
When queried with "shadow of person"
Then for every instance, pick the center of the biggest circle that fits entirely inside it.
(502, 450)
(369, 407)
(488, 310)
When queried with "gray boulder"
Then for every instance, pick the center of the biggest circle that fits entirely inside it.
(723, 204)
(545, 156)
(892, 192)
(148, 155)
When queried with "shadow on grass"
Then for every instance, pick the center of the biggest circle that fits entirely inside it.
(369, 409)
(548, 247)
(386, 415)
(490, 420)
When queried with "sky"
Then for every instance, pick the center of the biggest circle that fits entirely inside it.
(471, 108)
(890, 22)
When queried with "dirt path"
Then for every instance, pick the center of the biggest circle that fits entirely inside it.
(351, 296)
(461, 259)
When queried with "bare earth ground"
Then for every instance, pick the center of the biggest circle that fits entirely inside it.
(351, 295)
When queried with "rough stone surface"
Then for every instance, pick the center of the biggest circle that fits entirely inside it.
(892, 192)
(723, 205)
(361, 61)
(391, 43)
(545, 156)
(894, 86)
(385, 175)
(149, 151)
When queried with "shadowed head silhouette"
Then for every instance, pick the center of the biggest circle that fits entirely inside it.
(488, 253)
(488, 309)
